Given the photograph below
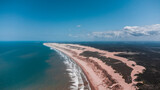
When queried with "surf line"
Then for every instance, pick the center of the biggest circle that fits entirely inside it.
(78, 79)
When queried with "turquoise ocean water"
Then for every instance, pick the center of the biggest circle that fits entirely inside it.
(33, 66)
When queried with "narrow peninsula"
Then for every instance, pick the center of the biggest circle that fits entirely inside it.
(104, 70)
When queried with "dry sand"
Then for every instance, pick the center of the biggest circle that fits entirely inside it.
(99, 75)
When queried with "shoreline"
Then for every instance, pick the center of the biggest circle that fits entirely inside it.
(84, 71)
(99, 75)
(85, 76)
(92, 87)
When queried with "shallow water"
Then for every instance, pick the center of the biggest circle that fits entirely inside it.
(31, 66)
(78, 80)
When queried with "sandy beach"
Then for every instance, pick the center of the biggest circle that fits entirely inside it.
(104, 70)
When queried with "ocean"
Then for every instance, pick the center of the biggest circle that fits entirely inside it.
(33, 66)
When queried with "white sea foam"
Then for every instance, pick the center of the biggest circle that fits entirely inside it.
(75, 73)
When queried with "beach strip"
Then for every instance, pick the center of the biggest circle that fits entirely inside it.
(100, 67)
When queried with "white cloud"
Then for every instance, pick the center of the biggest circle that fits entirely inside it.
(129, 31)
(78, 26)
(71, 35)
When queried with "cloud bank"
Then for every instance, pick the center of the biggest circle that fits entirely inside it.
(129, 31)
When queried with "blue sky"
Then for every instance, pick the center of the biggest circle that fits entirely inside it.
(79, 20)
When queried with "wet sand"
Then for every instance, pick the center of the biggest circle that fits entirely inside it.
(100, 75)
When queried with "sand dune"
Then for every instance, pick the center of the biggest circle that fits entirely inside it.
(104, 70)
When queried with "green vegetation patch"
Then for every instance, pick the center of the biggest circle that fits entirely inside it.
(117, 65)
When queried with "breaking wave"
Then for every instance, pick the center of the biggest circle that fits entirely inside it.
(78, 79)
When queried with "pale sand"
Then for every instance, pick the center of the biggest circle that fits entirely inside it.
(94, 68)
